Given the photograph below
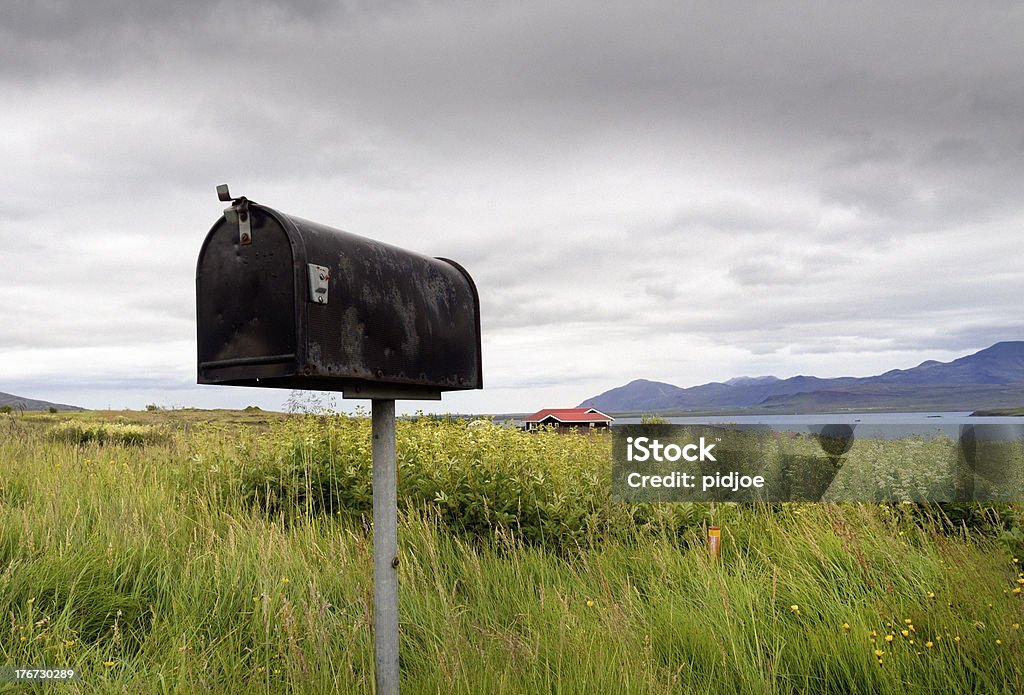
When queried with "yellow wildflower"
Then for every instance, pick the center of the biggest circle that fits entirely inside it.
(1016, 626)
(846, 626)
(284, 580)
(905, 633)
(908, 621)
(998, 642)
(108, 664)
(32, 600)
(931, 594)
(1016, 589)
(929, 644)
(589, 602)
(888, 638)
(957, 638)
(879, 652)
(795, 609)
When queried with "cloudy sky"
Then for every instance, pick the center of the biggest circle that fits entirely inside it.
(677, 191)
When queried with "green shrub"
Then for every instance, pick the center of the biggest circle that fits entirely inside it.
(544, 487)
(107, 433)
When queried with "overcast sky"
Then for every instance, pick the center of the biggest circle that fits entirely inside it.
(677, 191)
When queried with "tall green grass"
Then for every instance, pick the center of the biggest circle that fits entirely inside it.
(224, 558)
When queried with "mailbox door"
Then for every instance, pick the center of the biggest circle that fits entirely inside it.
(245, 304)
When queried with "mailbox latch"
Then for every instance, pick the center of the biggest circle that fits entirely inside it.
(319, 276)
(238, 214)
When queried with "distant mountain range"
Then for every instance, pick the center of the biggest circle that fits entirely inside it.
(22, 403)
(990, 378)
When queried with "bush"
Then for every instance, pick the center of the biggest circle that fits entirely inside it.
(52, 410)
(544, 487)
(107, 433)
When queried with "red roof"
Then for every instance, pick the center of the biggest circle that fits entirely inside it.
(570, 415)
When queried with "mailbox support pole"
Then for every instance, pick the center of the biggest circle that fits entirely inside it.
(385, 546)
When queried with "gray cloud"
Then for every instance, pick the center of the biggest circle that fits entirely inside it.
(689, 190)
(864, 148)
(956, 152)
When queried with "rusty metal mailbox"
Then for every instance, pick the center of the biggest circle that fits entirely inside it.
(287, 303)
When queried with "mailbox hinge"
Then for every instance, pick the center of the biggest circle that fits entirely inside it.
(238, 214)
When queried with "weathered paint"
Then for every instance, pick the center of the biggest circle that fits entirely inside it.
(394, 318)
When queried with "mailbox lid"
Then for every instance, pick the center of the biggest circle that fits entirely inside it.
(391, 316)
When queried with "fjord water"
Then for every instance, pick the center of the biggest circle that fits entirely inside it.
(874, 425)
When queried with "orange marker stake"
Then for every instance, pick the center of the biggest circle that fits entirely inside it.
(714, 541)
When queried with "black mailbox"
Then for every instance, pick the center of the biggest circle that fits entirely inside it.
(286, 303)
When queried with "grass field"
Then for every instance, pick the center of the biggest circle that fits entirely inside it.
(191, 551)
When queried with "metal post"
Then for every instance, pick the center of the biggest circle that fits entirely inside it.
(385, 547)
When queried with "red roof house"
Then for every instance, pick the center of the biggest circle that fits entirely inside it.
(568, 417)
